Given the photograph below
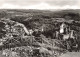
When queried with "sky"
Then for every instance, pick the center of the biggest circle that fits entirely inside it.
(39, 4)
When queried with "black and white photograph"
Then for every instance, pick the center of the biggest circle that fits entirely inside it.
(39, 28)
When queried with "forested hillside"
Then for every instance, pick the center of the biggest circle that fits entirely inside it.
(30, 33)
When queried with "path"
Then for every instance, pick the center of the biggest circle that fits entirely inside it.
(71, 54)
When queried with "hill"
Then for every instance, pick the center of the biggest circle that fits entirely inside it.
(32, 19)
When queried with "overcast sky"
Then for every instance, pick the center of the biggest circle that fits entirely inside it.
(40, 4)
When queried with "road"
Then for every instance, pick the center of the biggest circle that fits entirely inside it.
(71, 54)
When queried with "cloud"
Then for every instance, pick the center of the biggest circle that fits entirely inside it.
(33, 2)
(47, 6)
(41, 6)
(9, 6)
(20, 2)
(62, 2)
